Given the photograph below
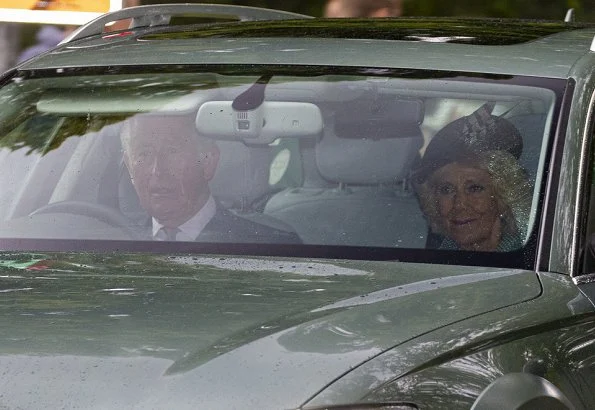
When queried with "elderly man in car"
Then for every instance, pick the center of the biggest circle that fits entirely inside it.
(170, 166)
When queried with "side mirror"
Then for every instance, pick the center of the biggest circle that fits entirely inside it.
(522, 391)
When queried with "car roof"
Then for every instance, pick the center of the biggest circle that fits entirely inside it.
(511, 47)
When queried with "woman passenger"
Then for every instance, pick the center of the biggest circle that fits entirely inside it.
(471, 188)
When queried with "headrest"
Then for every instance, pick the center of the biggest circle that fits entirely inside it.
(242, 174)
(371, 145)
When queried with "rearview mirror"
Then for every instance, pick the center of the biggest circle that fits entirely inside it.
(263, 125)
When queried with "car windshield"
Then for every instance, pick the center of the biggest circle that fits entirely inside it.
(354, 163)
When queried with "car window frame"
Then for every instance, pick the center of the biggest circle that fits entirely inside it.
(514, 259)
(584, 270)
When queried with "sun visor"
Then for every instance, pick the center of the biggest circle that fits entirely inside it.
(379, 118)
(107, 101)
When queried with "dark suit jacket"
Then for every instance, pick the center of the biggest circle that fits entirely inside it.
(228, 227)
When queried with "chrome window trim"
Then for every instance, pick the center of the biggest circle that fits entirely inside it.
(580, 191)
(546, 251)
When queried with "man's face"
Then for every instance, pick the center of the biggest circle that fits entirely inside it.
(169, 167)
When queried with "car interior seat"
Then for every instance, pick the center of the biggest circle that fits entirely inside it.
(366, 200)
(242, 180)
(59, 172)
(241, 176)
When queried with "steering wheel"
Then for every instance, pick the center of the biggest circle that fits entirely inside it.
(102, 213)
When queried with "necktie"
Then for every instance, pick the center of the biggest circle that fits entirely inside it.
(171, 233)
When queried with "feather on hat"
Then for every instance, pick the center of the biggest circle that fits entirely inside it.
(468, 137)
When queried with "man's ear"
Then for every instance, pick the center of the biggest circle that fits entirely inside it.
(210, 159)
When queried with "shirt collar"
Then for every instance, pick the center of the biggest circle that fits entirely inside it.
(190, 229)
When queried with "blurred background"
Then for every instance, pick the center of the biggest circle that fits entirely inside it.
(538, 9)
(19, 41)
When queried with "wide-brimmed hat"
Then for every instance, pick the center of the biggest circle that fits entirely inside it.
(466, 139)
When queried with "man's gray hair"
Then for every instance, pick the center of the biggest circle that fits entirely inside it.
(127, 129)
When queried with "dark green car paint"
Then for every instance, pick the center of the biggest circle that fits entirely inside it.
(476, 351)
(190, 313)
(550, 56)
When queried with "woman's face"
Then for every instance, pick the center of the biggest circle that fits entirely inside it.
(467, 206)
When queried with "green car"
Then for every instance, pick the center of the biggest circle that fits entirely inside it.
(225, 207)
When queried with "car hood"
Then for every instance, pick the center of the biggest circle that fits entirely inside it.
(158, 331)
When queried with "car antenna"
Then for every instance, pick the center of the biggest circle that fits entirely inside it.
(569, 18)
